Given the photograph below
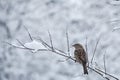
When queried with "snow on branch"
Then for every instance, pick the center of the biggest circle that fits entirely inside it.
(39, 44)
(116, 28)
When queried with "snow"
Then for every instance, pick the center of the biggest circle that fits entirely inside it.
(35, 45)
(83, 18)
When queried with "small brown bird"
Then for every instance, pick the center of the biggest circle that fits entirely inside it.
(81, 56)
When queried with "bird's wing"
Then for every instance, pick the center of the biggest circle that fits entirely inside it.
(82, 55)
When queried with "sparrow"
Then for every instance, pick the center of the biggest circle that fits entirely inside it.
(81, 56)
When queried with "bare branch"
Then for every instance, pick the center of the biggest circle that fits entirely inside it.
(95, 50)
(13, 45)
(28, 33)
(48, 46)
(68, 46)
(44, 43)
(23, 47)
(22, 44)
(104, 62)
(60, 50)
(98, 73)
(106, 73)
(51, 40)
(68, 57)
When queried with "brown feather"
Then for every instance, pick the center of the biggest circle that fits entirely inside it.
(81, 56)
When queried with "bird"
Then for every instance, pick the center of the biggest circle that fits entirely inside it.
(81, 56)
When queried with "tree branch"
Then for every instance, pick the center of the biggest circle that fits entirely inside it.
(107, 73)
(68, 46)
(64, 54)
(95, 50)
(51, 40)
(104, 62)
(28, 33)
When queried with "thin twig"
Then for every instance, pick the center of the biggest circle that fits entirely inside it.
(68, 46)
(104, 62)
(14, 45)
(30, 49)
(95, 50)
(60, 50)
(28, 33)
(22, 44)
(44, 43)
(51, 40)
(68, 57)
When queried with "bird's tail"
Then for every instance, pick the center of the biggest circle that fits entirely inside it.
(85, 69)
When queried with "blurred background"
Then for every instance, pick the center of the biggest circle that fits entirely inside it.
(93, 19)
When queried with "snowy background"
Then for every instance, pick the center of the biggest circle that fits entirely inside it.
(93, 19)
